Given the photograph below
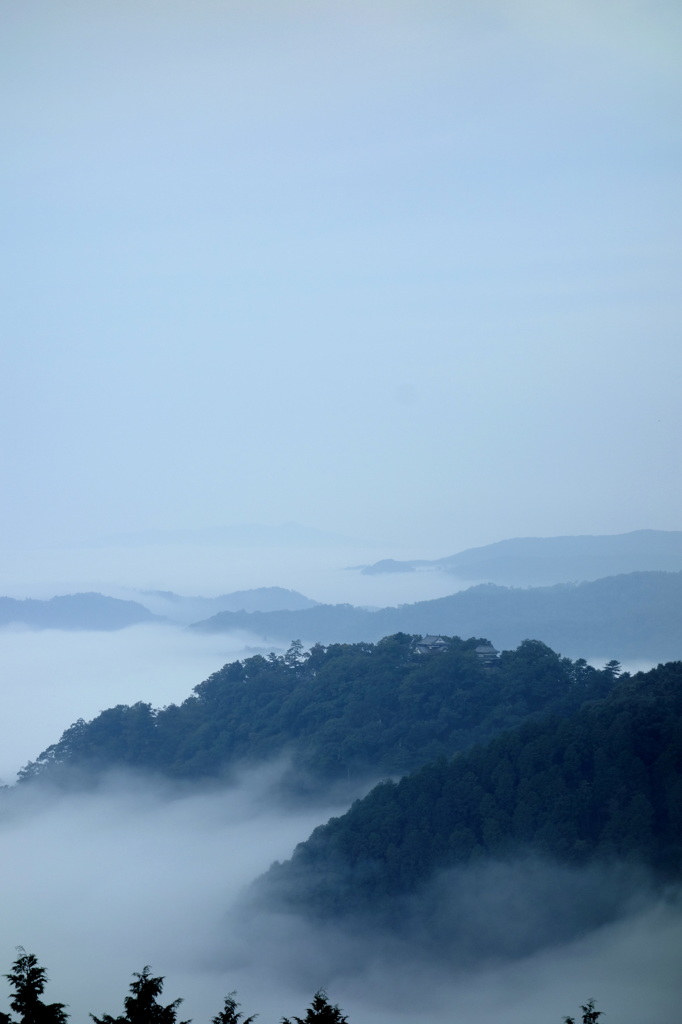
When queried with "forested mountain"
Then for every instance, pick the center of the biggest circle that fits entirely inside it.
(74, 611)
(631, 616)
(605, 784)
(344, 712)
(533, 561)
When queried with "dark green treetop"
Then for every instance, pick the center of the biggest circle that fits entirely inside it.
(231, 1014)
(28, 979)
(320, 1011)
(141, 1006)
(344, 712)
(590, 1015)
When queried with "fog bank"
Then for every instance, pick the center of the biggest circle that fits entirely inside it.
(320, 573)
(100, 884)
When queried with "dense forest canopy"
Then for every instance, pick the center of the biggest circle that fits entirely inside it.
(342, 712)
(604, 783)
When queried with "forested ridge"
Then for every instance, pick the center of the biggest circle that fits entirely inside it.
(635, 615)
(346, 711)
(604, 784)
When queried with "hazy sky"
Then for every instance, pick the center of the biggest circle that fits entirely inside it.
(399, 270)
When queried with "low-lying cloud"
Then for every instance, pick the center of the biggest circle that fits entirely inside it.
(135, 872)
(52, 678)
(99, 884)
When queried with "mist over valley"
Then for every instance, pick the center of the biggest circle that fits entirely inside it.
(169, 862)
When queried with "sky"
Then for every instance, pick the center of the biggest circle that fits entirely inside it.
(407, 272)
(53, 678)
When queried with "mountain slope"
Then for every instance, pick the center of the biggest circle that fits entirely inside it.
(74, 611)
(344, 713)
(604, 784)
(637, 615)
(537, 561)
(186, 610)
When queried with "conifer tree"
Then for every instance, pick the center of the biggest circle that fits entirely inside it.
(231, 1014)
(28, 979)
(141, 1006)
(320, 1011)
(590, 1015)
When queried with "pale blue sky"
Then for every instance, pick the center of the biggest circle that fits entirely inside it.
(395, 270)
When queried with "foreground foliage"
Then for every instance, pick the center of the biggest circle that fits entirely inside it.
(28, 979)
(320, 1011)
(141, 1005)
(589, 1014)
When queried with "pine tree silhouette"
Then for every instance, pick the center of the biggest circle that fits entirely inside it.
(141, 1006)
(28, 979)
(230, 1013)
(590, 1015)
(320, 1011)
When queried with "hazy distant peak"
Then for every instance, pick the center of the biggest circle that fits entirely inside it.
(634, 539)
(628, 616)
(526, 561)
(89, 611)
(189, 609)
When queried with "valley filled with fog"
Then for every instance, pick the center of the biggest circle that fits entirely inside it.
(100, 884)
(321, 572)
(139, 871)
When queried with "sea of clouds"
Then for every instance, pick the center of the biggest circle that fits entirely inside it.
(100, 883)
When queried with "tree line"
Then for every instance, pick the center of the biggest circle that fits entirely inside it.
(342, 712)
(141, 1006)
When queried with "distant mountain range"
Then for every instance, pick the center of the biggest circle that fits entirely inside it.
(185, 610)
(93, 611)
(632, 616)
(535, 561)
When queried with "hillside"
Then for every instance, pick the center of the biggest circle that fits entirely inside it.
(183, 609)
(343, 713)
(537, 561)
(93, 611)
(632, 616)
(603, 785)
(74, 611)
